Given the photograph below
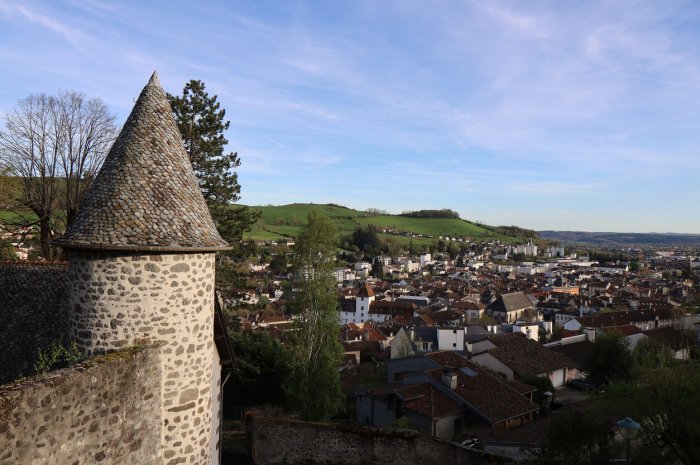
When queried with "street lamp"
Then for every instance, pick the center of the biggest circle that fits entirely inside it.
(629, 429)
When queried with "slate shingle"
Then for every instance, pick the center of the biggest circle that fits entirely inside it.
(146, 196)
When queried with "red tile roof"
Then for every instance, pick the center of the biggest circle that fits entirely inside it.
(428, 401)
(365, 291)
(624, 318)
(490, 397)
(625, 330)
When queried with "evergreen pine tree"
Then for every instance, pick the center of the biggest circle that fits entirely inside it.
(202, 123)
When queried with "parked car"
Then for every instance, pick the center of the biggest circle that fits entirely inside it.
(582, 385)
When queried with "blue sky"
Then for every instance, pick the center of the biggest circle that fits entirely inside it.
(547, 115)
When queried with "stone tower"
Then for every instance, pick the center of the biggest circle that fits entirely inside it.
(142, 252)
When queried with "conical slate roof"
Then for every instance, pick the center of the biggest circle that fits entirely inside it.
(146, 196)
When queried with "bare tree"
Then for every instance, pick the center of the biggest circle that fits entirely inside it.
(89, 131)
(55, 145)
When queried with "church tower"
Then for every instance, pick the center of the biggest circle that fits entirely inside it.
(142, 252)
(363, 300)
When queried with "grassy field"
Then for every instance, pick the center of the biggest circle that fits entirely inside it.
(10, 191)
(430, 226)
(17, 217)
(287, 220)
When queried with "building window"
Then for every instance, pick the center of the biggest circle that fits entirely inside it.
(454, 345)
(362, 307)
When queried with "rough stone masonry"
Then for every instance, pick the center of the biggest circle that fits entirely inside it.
(142, 251)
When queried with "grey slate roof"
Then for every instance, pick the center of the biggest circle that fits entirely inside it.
(33, 313)
(146, 196)
(511, 302)
(525, 356)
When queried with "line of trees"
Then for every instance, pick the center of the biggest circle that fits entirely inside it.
(444, 213)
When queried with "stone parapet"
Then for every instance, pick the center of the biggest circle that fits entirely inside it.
(105, 410)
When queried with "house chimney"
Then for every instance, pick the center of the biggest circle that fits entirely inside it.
(590, 334)
(450, 380)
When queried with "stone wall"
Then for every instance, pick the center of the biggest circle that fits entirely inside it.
(33, 313)
(119, 299)
(103, 411)
(276, 441)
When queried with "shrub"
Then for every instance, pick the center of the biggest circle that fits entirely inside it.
(56, 357)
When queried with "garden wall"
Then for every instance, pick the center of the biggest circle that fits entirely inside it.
(276, 441)
(106, 410)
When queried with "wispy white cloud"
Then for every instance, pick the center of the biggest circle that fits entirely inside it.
(75, 36)
(468, 102)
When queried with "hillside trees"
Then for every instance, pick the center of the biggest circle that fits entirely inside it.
(262, 369)
(444, 213)
(377, 268)
(576, 437)
(611, 359)
(55, 144)
(367, 240)
(666, 401)
(313, 387)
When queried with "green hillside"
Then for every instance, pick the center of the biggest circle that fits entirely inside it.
(286, 221)
(10, 191)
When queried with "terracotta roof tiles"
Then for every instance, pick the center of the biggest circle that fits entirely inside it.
(491, 397)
